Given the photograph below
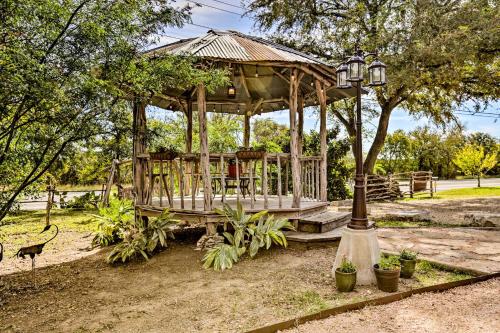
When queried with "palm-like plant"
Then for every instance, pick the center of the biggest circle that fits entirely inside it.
(252, 231)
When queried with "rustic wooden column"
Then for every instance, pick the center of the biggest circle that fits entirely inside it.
(246, 132)
(321, 93)
(189, 129)
(139, 147)
(300, 111)
(294, 145)
(204, 154)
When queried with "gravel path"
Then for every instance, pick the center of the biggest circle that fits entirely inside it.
(474, 308)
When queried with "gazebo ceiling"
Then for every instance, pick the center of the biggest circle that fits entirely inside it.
(260, 72)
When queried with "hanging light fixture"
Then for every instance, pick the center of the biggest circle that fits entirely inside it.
(342, 82)
(256, 71)
(376, 73)
(231, 91)
(355, 67)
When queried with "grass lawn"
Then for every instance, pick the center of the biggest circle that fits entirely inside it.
(475, 192)
(23, 228)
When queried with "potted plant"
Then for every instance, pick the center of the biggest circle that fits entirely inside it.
(387, 273)
(345, 276)
(408, 259)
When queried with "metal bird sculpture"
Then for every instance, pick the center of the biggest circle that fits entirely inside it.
(34, 250)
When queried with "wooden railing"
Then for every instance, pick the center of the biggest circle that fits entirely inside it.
(398, 185)
(180, 178)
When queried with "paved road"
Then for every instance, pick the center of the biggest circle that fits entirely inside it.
(466, 183)
(41, 201)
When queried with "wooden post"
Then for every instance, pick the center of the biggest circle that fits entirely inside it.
(317, 181)
(264, 180)
(161, 183)
(321, 92)
(193, 184)
(278, 166)
(237, 178)
(172, 185)
(430, 183)
(300, 111)
(411, 184)
(109, 184)
(222, 179)
(204, 154)
(294, 146)
(246, 131)
(139, 147)
(189, 129)
(151, 168)
(181, 181)
(250, 183)
(287, 173)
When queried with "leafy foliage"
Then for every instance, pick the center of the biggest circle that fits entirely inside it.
(142, 238)
(115, 218)
(389, 262)
(408, 255)
(439, 53)
(346, 266)
(88, 200)
(472, 160)
(251, 233)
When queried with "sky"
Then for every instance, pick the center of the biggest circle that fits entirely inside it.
(226, 15)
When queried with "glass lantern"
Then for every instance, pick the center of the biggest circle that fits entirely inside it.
(231, 91)
(376, 73)
(342, 82)
(355, 68)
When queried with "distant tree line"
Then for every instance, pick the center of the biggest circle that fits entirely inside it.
(436, 151)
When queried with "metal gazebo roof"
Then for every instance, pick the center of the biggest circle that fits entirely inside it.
(261, 71)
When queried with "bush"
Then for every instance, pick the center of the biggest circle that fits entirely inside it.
(251, 232)
(143, 238)
(346, 266)
(112, 220)
(408, 255)
(89, 200)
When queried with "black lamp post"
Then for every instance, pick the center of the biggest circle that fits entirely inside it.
(347, 74)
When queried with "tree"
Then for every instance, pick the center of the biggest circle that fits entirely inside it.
(268, 133)
(64, 68)
(472, 160)
(396, 153)
(439, 53)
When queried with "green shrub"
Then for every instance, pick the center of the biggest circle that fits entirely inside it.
(140, 238)
(251, 232)
(89, 200)
(112, 220)
(389, 263)
(408, 255)
(346, 266)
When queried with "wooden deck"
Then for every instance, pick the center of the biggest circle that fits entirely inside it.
(307, 207)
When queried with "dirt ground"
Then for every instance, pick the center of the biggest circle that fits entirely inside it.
(173, 293)
(474, 308)
(443, 211)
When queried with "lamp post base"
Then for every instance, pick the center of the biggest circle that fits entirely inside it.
(361, 247)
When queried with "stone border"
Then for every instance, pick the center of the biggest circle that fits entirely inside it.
(377, 301)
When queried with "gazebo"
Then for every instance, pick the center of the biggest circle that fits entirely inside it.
(265, 77)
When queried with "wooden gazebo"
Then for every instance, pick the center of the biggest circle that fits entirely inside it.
(267, 77)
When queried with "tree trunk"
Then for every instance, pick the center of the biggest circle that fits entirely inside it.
(378, 141)
(479, 180)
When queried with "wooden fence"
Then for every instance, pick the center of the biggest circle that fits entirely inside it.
(398, 185)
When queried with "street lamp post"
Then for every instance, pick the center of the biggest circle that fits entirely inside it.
(359, 242)
(347, 74)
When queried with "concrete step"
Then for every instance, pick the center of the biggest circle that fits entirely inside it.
(309, 237)
(323, 222)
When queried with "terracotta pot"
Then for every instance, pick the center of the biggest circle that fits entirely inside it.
(345, 281)
(387, 280)
(407, 268)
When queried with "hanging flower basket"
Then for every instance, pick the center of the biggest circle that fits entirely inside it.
(164, 155)
(250, 154)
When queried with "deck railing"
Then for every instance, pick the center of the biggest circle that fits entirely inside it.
(169, 182)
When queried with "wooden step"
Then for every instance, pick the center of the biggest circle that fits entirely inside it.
(323, 222)
(309, 237)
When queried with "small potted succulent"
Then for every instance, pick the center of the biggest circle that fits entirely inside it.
(345, 276)
(408, 259)
(387, 273)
